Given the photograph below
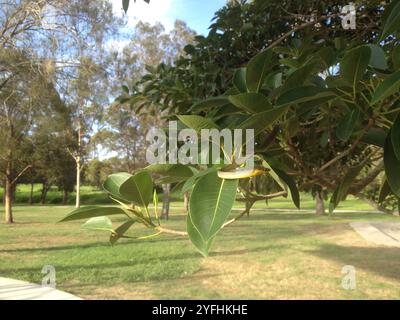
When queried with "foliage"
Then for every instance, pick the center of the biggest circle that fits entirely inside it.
(316, 97)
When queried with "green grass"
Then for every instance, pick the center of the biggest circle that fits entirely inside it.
(91, 195)
(270, 255)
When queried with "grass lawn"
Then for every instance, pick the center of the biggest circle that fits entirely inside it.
(273, 254)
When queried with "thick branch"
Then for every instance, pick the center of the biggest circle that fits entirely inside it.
(348, 151)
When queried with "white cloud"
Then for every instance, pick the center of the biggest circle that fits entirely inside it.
(155, 11)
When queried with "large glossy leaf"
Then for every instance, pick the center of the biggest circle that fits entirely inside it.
(354, 64)
(98, 223)
(120, 231)
(209, 104)
(378, 58)
(187, 186)
(342, 190)
(392, 23)
(251, 102)
(388, 87)
(210, 203)
(384, 191)
(239, 80)
(170, 173)
(347, 125)
(197, 122)
(114, 182)
(91, 212)
(375, 136)
(292, 187)
(138, 189)
(196, 238)
(286, 182)
(257, 69)
(304, 94)
(298, 77)
(263, 120)
(395, 136)
(392, 166)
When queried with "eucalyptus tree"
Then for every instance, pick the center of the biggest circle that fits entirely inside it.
(24, 96)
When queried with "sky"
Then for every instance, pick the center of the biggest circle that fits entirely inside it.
(196, 13)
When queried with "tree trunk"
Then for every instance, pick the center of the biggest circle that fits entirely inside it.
(31, 195)
(319, 203)
(43, 196)
(4, 193)
(186, 201)
(8, 194)
(65, 197)
(78, 182)
(166, 201)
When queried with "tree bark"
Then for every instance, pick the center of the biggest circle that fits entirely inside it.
(43, 196)
(8, 194)
(166, 201)
(78, 182)
(65, 197)
(319, 203)
(31, 194)
(186, 201)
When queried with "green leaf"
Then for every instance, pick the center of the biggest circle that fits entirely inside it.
(395, 136)
(375, 136)
(209, 104)
(257, 70)
(342, 190)
(192, 180)
(196, 239)
(197, 122)
(396, 57)
(386, 88)
(125, 5)
(210, 203)
(239, 79)
(138, 189)
(354, 64)
(98, 223)
(91, 212)
(286, 182)
(291, 186)
(298, 77)
(120, 231)
(304, 94)
(392, 166)
(263, 120)
(251, 102)
(189, 49)
(378, 58)
(347, 125)
(384, 191)
(170, 173)
(392, 23)
(114, 182)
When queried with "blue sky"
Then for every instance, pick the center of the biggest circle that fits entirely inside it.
(196, 13)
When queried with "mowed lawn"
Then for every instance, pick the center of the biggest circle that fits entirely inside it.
(273, 254)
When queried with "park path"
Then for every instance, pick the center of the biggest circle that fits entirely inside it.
(382, 233)
(11, 289)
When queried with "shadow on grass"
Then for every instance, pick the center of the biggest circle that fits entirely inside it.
(383, 261)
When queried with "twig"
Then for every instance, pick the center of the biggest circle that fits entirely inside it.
(20, 174)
